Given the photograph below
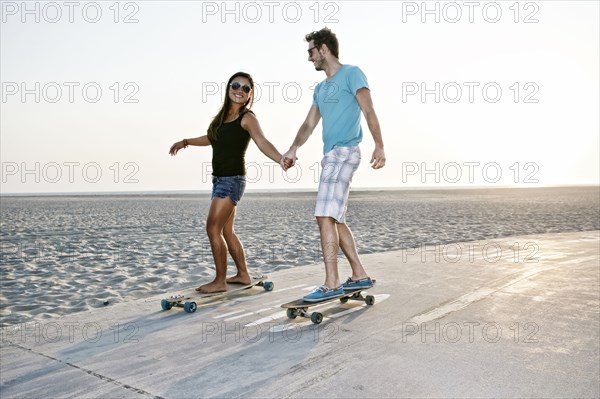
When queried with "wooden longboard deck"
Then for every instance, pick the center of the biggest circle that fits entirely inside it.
(231, 289)
(300, 307)
(302, 304)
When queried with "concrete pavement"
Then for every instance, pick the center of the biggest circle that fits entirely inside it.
(510, 317)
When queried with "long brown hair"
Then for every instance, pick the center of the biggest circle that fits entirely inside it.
(217, 122)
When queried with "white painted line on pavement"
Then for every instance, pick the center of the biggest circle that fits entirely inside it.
(290, 288)
(229, 314)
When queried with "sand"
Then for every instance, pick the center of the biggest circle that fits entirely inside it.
(63, 255)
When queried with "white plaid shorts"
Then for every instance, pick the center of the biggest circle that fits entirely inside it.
(338, 167)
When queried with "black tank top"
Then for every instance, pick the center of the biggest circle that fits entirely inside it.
(229, 150)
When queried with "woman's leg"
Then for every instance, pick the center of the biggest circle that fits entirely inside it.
(236, 249)
(221, 210)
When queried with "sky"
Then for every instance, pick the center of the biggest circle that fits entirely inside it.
(468, 94)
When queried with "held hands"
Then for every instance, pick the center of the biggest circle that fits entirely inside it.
(378, 158)
(288, 159)
(286, 163)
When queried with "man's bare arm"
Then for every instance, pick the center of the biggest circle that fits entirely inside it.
(306, 129)
(363, 96)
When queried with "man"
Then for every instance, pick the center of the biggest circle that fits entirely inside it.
(339, 99)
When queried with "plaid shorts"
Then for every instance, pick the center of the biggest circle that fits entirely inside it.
(338, 167)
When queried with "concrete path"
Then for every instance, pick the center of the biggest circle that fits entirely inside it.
(513, 317)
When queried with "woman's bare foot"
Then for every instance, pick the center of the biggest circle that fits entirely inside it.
(240, 279)
(212, 288)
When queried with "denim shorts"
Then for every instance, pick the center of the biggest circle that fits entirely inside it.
(231, 187)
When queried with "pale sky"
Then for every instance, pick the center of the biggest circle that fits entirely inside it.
(489, 94)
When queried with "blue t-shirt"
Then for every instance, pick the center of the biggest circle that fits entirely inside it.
(336, 100)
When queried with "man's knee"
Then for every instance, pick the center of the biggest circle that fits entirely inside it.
(325, 221)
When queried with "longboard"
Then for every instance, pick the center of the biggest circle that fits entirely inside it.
(189, 301)
(300, 307)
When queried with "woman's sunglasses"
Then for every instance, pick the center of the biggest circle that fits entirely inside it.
(237, 86)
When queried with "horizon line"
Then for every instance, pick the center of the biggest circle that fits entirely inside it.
(282, 190)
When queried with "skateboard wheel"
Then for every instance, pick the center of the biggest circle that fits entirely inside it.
(344, 299)
(369, 300)
(316, 317)
(190, 307)
(268, 285)
(165, 305)
(292, 313)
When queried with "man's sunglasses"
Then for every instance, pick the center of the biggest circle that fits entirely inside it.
(237, 86)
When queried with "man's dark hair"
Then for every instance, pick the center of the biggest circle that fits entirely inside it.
(324, 36)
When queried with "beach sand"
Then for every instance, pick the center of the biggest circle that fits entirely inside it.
(517, 316)
(67, 254)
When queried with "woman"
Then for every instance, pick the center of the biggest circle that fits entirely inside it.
(229, 134)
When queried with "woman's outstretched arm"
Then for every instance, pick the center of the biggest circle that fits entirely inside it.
(198, 141)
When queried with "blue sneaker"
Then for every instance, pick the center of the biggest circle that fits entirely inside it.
(361, 284)
(322, 293)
